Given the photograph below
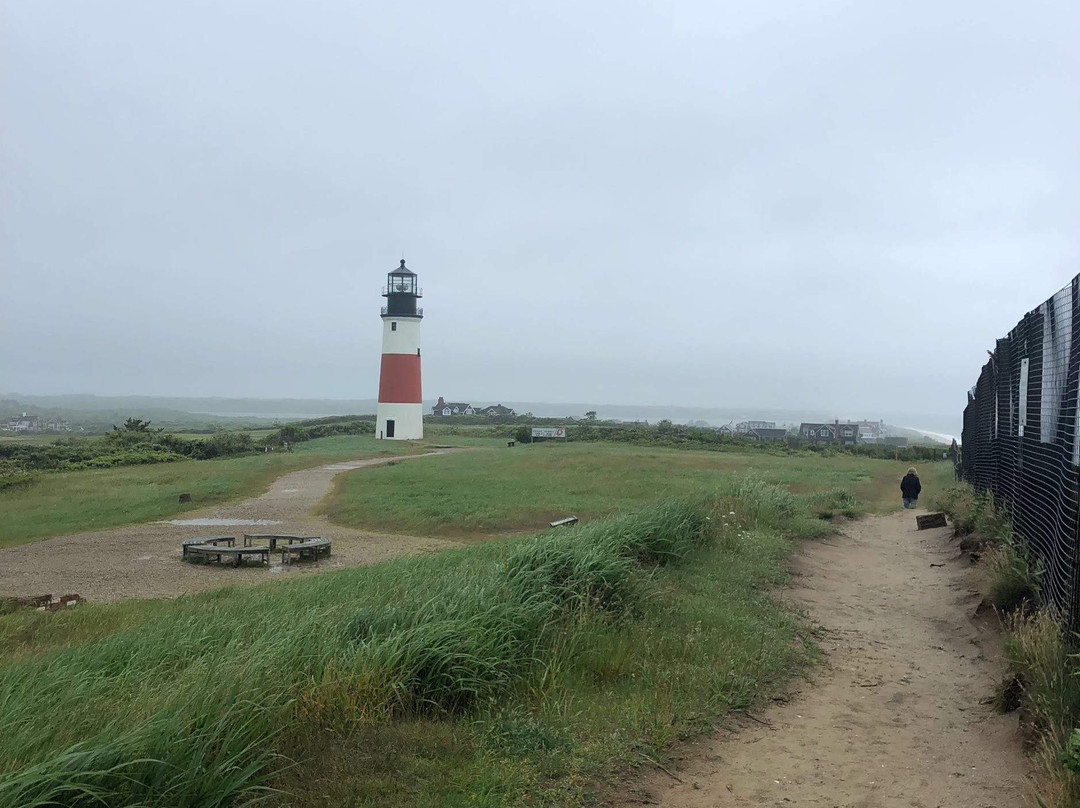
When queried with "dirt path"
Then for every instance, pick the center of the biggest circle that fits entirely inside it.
(144, 560)
(894, 718)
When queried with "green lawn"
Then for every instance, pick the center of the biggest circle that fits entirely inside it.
(511, 673)
(523, 672)
(72, 501)
(520, 489)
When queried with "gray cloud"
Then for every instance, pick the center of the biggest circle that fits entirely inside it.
(834, 205)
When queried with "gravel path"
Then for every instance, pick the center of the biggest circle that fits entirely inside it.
(895, 719)
(144, 561)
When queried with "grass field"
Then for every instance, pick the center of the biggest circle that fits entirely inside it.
(71, 501)
(521, 672)
(521, 489)
(12, 437)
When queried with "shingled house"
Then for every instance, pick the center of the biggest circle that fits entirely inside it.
(746, 427)
(448, 408)
(495, 409)
(844, 434)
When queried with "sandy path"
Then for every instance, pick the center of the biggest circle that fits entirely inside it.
(893, 719)
(145, 561)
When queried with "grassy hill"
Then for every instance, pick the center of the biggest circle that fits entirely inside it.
(516, 672)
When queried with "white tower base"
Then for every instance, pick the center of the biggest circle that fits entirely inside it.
(408, 421)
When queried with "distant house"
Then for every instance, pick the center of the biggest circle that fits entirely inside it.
(35, 423)
(844, 434)
(24, 423)
(727, 430)
(767, 433)
(448, 408)
(872, 431)
(743, 427)
(495, 410)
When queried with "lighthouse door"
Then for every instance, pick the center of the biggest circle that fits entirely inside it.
(389, 428)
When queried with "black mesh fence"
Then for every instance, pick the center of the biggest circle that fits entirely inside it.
(1020, 440)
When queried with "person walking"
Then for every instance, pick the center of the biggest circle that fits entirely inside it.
(910, 487)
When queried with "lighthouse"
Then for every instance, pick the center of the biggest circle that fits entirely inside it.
(401, 411)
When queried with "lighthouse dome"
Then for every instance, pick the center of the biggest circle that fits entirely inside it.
(403, 270)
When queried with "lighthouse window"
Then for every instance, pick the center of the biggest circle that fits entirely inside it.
(393, 326)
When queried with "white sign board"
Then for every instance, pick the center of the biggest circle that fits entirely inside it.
(1023, 395)
(549, 432)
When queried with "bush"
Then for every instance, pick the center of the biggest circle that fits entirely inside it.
(1012, 581)
(834, 502)
(1040, 659)
(14, 476)
(976, 513)
(523, 434)
(223, 444)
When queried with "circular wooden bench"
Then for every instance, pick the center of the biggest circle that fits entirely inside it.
(311, 549)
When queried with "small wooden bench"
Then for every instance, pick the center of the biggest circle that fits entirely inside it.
(310, 548)
(570, 520)
(215, 541)
(272, 540)
(236, 554)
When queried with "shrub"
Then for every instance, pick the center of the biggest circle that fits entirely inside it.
(976, 513)
(834, 502)
(1012, 581)
(223, 444)
(14, 476)
(321, 428)
(1040, 659)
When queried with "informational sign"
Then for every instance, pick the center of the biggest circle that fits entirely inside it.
(549, 432)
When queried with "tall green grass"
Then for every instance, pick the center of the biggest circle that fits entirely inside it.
(1046, 668)
(625, 631)
(1043, 669)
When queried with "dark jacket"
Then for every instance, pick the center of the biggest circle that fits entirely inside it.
(910, 486)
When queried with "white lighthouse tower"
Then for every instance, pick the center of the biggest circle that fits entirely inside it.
(401, 410)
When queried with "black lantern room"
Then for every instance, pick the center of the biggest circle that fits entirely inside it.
(401, 293)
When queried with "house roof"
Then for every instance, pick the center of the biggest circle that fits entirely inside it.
(769, 432)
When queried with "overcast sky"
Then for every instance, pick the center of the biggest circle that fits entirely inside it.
(825, 205)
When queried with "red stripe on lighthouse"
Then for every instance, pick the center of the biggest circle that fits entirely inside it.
(399, 381)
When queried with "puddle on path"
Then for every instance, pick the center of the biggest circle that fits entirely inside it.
(220, 522)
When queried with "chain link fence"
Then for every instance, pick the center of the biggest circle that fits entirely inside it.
(1020, 440)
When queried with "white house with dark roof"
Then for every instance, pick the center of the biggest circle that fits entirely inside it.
(836, 432)
(495, 409)
(448, 408)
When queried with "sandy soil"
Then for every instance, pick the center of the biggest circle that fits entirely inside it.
(895, 718)
(145, 560)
